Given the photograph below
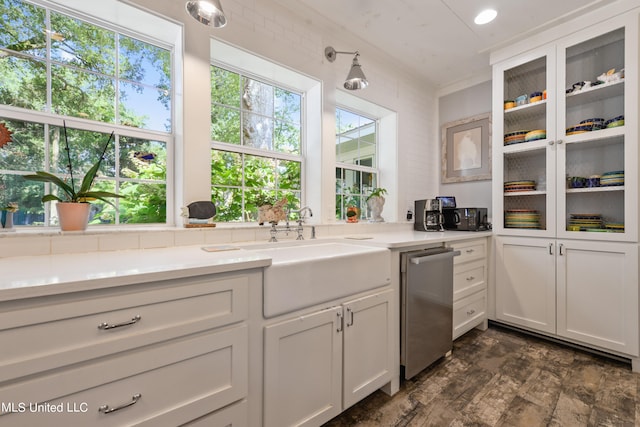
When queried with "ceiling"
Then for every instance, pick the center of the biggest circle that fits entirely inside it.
(437, 39)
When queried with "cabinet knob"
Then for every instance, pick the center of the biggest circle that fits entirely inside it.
(551, 142)
(470, 278)
(470, 312)
(559, 141)
(469, 251)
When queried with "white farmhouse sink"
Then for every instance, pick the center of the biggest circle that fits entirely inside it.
(304, 275)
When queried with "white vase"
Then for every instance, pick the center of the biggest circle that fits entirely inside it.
(7, 221)
(73, 216)
(376, 204)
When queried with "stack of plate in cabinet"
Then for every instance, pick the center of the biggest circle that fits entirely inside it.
(522, 218)
(614, 226)
(585, 222)
(513, 186)
(535, 135)
(515, 137)
(610, 179)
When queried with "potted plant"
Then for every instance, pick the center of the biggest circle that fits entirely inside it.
(375, 202)
(73, 204)
(352, 213)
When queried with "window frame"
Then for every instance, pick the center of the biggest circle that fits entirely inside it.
(374, 170)
(124, 20)
(270, 154)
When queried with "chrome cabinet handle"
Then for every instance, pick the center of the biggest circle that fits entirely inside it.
(104, 326)
(350, 313)
(340, 322)
(470, 278)
(105, 409)
(560, 249)
(550, 248)
(469, 251)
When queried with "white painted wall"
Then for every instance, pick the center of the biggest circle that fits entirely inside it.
(460, 105)
(266, 29)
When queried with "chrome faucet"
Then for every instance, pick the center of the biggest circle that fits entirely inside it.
(302, 213)
(286, 229)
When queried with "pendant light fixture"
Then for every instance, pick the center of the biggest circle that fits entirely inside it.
(208, 12)
(355, 79)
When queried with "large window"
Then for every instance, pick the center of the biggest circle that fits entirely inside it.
(57, 67)
(356, 158)
(257, 150)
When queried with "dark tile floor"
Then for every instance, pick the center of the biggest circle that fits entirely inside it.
(503, 378)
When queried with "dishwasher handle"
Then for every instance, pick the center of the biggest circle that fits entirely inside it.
(428, 258)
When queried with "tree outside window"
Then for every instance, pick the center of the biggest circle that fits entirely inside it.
(256, 134)
(55, 66)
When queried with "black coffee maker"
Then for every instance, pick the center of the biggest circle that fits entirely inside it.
(449, 213)
(428, 215)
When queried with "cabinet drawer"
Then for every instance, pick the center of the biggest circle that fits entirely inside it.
(468, 313)
(48, 335)
(236, 415)
(468, 279)
(470, 250)
(166, 384)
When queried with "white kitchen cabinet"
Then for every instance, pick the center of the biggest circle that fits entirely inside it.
(318, 364)
(598, 294)
(469, 285)
(158, 353)
(553, 207)
(586, 292)
(526, 283)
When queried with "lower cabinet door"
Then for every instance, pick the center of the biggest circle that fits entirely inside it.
(598, 294)
(368, 346)
(303, 369)
(526, 282)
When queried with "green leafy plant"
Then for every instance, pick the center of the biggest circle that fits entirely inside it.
(377, 192)
(84, 193)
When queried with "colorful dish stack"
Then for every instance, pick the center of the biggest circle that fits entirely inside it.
(534, 135)
(515, 137)
(514, 186)
(615, 122)
(612, 179)
(522, 218)
(614, 227)
(585, 222)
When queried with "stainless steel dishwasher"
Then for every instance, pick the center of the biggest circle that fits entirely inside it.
(426, 321)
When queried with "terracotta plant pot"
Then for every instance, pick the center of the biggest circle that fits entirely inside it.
(356, 214)
(73, 216)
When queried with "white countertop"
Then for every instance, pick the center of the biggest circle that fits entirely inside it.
(24, 277)
(33, 276)
(407, 239)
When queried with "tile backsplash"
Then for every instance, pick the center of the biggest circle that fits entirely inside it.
(27, 242)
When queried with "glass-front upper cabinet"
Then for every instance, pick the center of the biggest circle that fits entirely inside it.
(523, 126)
(565, 136)
(597, 123)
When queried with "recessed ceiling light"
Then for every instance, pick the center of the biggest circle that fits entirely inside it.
(485, 17)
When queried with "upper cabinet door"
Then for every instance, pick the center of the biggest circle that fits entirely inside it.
(523, 140)
(567, 166)
(597, 123)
